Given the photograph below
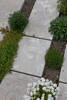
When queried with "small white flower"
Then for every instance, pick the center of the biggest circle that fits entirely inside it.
(50, 97)
(47, 86)
(43, 95)
(38, 98)
(44, 88)
(55, 85)
(51, 83)
(42, 79)
(54, 93)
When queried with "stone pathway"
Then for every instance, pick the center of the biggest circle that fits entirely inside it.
(43, 12)
(63, 76)
(63, 79)
(30, 56)
(29, 62)
(14, 86)
(63, 91)
(7, 7)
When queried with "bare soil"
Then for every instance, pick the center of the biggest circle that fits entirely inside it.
(59, 45)
(51, 74)
(27, 7)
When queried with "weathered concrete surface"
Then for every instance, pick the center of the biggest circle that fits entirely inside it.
(14, 86)
(30, 56)
(63, 75)
(1, 36)
(43, 12)
(63, 91)
(7, 7)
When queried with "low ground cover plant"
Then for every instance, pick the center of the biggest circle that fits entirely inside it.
(9, 44)
(17, 21)
(58, 28)
(62, 6)
(43, 89)
(8, 50)
(53, 59)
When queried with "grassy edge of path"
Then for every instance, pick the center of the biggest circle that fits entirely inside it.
(8, 50)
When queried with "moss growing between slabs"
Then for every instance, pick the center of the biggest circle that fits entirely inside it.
(54, 59)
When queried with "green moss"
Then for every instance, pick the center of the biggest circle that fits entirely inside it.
(53, 58)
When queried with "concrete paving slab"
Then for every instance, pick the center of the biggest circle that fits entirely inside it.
(63, 75)
(1, 36)
(63, 91)
(30, 56)
(14, 86)
(43, 12)
(7, 7)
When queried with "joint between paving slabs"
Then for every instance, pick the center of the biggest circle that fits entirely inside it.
(32, 36)
(25, 73)
(62, 82)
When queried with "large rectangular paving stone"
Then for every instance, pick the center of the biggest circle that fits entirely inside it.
(63, 91)
(63, 75)
(7, 7)
(30, 56)
(14, 86)
(43, 12)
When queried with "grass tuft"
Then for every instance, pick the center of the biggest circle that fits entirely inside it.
(8, 50)
(54, 59)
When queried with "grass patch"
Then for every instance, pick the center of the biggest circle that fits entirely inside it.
(62, 6)
(53, 59)
(8, 50)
